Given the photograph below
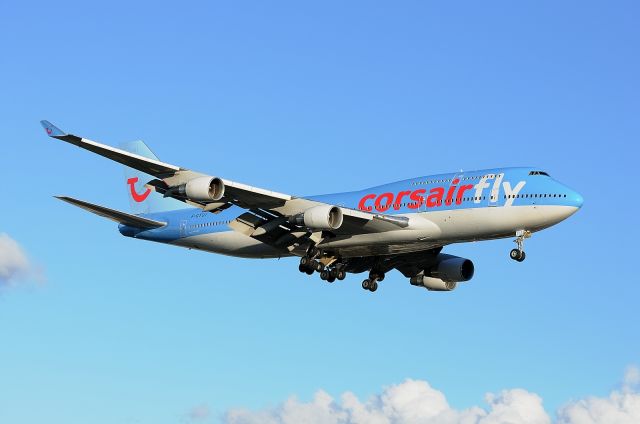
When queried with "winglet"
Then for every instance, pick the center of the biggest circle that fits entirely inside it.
(52, 130)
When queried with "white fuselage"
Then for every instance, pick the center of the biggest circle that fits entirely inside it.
(426, 230)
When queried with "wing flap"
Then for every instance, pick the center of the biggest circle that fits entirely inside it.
(114, 215)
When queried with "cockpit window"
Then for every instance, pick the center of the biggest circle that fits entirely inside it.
(538, 173)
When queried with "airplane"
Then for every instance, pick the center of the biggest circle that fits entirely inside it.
(402, 225)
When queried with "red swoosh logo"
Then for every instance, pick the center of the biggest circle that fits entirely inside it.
(136, 196)
(49, 131)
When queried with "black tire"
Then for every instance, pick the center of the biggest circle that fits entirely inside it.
(324, 275)
(302, 268)
(522, 256)
(341, 275)
(319, 266)
(333, 273)
(514, 254)
(331, 279)
(378, 276)
(310, 271)
(304, 261)
(373, 287)
(365, 284)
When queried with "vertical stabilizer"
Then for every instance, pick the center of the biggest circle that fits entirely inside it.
(143, 199)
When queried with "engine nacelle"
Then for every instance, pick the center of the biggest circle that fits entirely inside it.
(203, 189)
(323, 217)
(433, 284)
(452, 269)
(445, 275)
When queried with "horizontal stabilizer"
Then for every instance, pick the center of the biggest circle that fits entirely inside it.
(114, 215)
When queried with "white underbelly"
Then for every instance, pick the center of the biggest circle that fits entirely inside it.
(230, 243)
(453, 226)
(438, 228)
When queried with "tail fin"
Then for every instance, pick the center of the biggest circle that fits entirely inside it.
(141, 198)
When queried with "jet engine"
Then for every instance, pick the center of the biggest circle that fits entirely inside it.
(203, 189)
(432, 284)
(452, 268)
(445, 275)
(323, 217)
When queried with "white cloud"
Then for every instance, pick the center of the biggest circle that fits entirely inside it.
(515, 406)
(631, 378)
(411, 402)
(14, 264)
(415, 401)
(199, 413)
(620, 407)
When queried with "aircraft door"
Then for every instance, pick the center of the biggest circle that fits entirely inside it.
(493, 199)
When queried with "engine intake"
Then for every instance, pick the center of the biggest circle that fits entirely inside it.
(453, 269)
(203, 189)
(323, 217)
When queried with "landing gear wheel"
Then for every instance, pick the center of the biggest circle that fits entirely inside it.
(373, 287)
(304, 261)
(377, 276)
(319, 266)
(341, 274)
(309, 271)
(366, 284)
(517, 255)
(324, 275)
(331, 279)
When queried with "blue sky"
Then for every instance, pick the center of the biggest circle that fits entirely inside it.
(310, 99)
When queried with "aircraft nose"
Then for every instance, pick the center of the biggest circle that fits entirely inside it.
(575, 199)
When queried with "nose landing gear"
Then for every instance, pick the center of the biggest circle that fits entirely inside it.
(518, 253)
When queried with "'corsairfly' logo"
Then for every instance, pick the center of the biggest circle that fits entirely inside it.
(437, 196)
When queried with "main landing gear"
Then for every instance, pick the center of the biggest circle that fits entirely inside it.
(307, 265)
(518, 253)
(332, 274)
(371, 283)
(313, 262)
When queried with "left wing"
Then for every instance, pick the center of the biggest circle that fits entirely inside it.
(211, 193)
(170, 175)
(150, 166)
